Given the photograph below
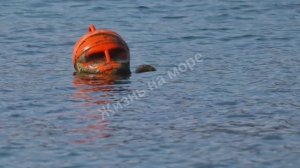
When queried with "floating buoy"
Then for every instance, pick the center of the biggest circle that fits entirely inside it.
(101, 52)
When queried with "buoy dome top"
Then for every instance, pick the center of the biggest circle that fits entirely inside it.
(98, 41)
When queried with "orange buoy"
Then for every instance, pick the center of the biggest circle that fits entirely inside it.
(101, 52)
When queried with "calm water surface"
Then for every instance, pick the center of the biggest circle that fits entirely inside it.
(239, 107)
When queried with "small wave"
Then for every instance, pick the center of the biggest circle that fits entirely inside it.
(174, 17)
(246, 36)
(142, 7)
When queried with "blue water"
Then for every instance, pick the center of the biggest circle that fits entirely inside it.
(238, 107)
